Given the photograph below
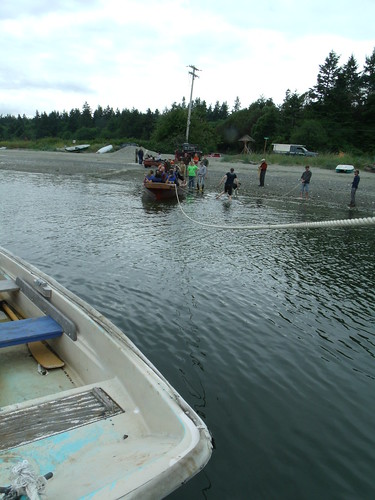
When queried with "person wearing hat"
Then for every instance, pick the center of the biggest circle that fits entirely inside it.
(262, 172)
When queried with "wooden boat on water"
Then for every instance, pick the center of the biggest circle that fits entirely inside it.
(162, 191)
(87, 407)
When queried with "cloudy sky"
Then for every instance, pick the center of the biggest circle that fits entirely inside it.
(58, 54)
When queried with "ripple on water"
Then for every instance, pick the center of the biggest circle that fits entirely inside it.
(269, 335)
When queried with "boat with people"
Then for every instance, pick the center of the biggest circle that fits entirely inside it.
(163, 191)
(83, 413)
(166, 182)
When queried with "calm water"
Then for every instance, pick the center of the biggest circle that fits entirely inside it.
(270, 336)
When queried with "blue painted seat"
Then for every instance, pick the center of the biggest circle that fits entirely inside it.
(28, 330)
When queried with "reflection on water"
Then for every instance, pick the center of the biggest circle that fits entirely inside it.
(269, 335)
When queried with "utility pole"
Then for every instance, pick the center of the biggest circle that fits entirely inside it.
(265, 145)
(193, 76)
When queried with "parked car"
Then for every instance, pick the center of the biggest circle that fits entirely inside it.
(292, 149)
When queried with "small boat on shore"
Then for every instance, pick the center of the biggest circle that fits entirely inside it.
(80, 405)
(77, 149)
(345, 169)
(105, 149)
(163, 191)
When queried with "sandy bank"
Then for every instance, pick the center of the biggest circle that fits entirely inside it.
(326, 185)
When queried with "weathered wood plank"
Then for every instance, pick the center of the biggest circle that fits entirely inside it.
(54, 417)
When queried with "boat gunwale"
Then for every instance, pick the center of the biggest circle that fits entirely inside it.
(110, 329)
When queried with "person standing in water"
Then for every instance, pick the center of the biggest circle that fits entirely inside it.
(305, 182)
(192, 173)
(355, 183)
(229, 179)
(202, 172)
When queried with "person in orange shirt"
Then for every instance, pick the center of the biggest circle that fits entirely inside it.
(262, 172)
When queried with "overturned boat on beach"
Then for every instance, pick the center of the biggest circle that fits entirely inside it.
(77, 149)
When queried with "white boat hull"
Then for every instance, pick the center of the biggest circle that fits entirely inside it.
(345, 169)
(77, 149)
(125, 431)
(105, 149)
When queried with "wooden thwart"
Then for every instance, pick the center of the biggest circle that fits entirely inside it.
(39, 350)
(28, 330)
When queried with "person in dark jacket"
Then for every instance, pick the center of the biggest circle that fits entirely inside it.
(354, 188)
(305, 182)
(140, 156)
(229, 179)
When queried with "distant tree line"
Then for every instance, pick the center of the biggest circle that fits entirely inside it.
(337, 114)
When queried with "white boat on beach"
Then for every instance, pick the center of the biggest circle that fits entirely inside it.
(77, 149)
(105, 149)
(345, 169)
(80, 405)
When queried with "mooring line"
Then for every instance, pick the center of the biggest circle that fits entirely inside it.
(366, 221)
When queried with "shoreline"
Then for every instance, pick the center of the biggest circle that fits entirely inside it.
(326, 185)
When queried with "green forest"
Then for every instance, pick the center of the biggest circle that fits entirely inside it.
(336, 115)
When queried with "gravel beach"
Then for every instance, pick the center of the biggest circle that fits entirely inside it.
(327, 186)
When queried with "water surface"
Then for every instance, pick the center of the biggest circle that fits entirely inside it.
(269, 335)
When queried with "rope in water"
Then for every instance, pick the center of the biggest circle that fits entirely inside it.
(366, 221)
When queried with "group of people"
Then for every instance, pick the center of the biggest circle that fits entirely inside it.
(305, 181)
(231, 182)
(305, 184)
(197, 175)
(172, 172)
(166, 174)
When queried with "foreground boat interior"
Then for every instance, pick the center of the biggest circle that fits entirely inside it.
(80, 401)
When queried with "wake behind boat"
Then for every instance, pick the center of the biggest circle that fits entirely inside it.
(104, 423)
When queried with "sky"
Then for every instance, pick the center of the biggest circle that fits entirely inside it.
(125, 54)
